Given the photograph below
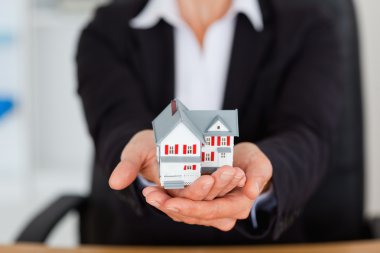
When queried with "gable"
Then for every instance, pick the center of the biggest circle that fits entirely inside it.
(206, 121)
(180, 134)
(218, 126)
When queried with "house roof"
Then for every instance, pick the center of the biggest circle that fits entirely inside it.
(198, 121)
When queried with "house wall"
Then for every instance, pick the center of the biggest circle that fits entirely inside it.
(217, 161)
(180, 135)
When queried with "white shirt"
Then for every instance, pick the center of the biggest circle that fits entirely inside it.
(200, 73)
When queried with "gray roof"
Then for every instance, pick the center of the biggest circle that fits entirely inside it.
(197, 121)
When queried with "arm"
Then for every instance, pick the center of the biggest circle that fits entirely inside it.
(296, 145)
(301, 127)
(111, 92)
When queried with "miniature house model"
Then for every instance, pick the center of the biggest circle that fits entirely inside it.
(190, 143)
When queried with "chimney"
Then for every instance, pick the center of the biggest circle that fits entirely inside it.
(174, 107)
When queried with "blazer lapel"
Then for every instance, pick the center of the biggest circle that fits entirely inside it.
(156, 61)
(248, 52)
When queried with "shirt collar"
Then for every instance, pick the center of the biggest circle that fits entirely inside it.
(155, 10)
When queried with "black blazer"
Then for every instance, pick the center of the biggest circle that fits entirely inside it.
(285, 81)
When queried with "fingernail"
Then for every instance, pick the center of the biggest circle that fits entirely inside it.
(154, 203)
(173, 209)
(206, 186)
(226, 175)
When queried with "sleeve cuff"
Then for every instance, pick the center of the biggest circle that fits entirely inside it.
(265, 202)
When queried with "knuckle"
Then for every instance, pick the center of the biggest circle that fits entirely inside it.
(194, 195)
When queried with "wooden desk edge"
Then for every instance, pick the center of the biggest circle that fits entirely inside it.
(336, 247)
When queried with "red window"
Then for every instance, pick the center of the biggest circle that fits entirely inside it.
(184, 149)
(176, 149)
(203, 156)
(212, 156)
(218, 140)
(194, 167)
(166, 149)
(212, 140)
(194, 148)
(228, 140)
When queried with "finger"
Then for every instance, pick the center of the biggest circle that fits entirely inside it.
(230, 206)
(236, 182)
(223, 177)
(124, 174)
(258, 168)
(149, 170)
(156, 196)
(149, 189)
(139, 149)
(258, 173)
(242, 182)
(197, 190)
(225, 224)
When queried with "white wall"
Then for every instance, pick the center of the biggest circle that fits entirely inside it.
(369, 25)
(60, 139)
(13, 85)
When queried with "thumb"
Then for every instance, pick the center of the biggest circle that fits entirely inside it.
(258, 173)
(257, 166)
(125, 172)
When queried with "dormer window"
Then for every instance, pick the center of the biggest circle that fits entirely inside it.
(218, 125)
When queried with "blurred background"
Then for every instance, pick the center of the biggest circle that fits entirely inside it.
(45, 149)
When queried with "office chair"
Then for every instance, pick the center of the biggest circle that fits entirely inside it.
(338, 205)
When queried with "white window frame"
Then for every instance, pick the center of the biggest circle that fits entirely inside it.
(208, 140)
(189, 149)
(171, 150)
(223, 141)
(222, 155)
(207, 157)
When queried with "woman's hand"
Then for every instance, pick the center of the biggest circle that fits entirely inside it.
(139, 157)
(222, 212)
